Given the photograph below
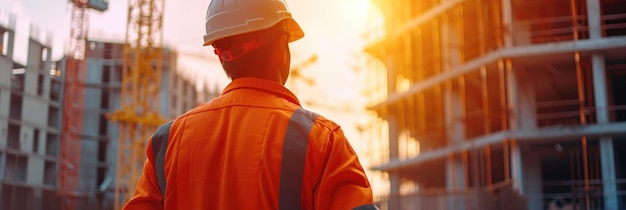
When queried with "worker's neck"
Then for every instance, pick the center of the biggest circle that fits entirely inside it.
(276, 74)
(266, 77)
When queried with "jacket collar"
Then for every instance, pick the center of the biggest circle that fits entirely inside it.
(262, 85)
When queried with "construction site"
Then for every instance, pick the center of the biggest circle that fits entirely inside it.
(474, 105)
(499, 104)
(73, 130)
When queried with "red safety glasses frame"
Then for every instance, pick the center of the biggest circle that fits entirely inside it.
(239, 50)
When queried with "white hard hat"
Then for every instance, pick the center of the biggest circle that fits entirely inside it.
(227, 18)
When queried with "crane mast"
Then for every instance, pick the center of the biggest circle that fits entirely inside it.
(139, 115)
(69, 156)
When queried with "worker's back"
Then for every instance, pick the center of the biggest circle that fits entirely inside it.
(228, 152)
(255, 148)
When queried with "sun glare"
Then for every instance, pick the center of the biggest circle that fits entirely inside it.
(361, 17)
(355, 14)
(357, 9)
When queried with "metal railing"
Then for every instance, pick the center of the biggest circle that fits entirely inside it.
(499, 196)
(566, 113)
(553, 29)
(614, 25)
(573, 196)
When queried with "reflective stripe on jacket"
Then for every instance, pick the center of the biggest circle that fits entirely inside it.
(253, 147)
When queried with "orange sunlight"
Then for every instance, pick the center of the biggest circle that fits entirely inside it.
(337, 32)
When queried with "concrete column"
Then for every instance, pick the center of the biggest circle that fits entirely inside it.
(455, 180)
(607, 156)
(517, 168)
(7, 46)
(609, 183)
(391, 74)
(2, 44)
(456, 168)
(513, 93)
(394, 188)
(450, 42)
(11, 44)
(2, 166)
(526, 109)
(599, 88)
(507, 22)
(532, 181)
(392, 121)
(594, 17)
(394, 176)
(453, 111)
(37, 199)
(34, 173)
(393, 136)
(455, 173)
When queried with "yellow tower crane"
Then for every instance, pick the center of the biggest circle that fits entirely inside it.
(139, 115)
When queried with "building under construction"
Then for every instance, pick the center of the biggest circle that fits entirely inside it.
(500, 104)
(31, 101)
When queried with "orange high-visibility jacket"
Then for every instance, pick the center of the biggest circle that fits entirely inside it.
(253, 147)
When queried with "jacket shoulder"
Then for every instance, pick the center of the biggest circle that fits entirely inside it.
(319, 120)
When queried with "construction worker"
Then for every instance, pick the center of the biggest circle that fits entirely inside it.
(253, 147)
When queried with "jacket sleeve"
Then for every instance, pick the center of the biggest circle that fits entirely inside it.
(343, 184)
(147, 193)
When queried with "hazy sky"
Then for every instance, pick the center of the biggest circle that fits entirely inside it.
(333, 31)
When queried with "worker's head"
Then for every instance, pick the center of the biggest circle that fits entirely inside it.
(251, 37)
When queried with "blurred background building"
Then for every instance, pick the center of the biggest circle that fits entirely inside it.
(31, 117)
(30, 100)
(499, 104)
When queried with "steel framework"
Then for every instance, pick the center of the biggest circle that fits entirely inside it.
(139, 114)
(463, 91)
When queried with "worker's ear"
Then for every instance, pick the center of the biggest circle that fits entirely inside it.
(284, 38)
(284, 42)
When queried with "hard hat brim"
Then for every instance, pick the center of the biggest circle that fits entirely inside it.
(294, 30)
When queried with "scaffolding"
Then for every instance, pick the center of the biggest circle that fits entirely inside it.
(475, 87)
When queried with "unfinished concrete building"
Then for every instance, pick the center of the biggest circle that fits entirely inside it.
(30, 101)
(30, 121)
(501, 104)
(102, 96)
